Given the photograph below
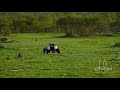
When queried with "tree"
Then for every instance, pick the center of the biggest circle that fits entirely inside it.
(5, 24)
(76, 26)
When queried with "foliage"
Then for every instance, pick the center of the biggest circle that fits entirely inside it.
(72, 23)
(78, 26)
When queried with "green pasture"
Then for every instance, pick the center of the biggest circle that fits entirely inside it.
(80, 57)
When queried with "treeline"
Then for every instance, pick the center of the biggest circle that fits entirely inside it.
(71, 23)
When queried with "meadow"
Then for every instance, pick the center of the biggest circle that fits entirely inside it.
(85, 57)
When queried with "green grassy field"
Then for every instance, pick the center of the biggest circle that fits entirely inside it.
(79, 58)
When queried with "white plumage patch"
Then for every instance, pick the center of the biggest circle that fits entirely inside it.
(55, 47)
(48, 48)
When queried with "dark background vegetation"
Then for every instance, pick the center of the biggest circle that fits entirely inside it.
(73, 24)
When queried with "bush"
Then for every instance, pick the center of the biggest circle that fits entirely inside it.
(76, 26)
(5, 30)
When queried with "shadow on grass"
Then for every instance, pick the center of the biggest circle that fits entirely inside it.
(65, 36)
(116, 44)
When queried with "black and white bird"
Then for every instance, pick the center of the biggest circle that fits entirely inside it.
(51, 47)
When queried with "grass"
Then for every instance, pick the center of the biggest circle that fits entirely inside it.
(79, 57)
(117, 44)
